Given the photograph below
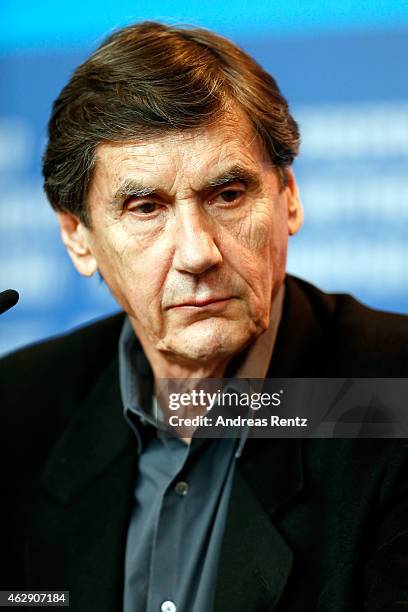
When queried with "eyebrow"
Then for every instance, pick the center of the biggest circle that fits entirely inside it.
(136, 189)
(235, 174)
(133, 188)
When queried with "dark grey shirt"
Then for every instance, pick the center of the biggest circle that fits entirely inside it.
(181, 499)
(181, 492)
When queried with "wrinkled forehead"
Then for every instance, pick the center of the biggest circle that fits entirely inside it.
(181, 157)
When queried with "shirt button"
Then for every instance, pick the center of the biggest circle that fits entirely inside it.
(168, 606)
(181, 488)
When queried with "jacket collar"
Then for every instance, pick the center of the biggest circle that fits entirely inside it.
(300, 341)
(96, 436)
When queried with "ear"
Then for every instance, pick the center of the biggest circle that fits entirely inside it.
(295, 209)
(76, 238)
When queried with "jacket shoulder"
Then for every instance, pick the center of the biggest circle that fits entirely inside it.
(371, 342)
(59, 371)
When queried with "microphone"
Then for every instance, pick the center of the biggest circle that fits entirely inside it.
(8, 299)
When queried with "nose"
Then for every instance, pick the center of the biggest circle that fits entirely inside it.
(196, 250)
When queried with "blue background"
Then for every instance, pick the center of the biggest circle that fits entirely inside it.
(342, 67)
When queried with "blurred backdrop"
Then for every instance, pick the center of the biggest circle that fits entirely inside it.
(343, 68)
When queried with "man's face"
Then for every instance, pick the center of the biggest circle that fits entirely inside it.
(190, 231)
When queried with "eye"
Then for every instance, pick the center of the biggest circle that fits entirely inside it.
(144, 209)
(228, 196)
(231, 195)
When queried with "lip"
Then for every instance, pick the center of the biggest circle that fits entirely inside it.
(196, 304)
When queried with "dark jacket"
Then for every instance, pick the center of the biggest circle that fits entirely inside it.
(312, 524)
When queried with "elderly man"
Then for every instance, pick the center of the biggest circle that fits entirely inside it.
(168, 166)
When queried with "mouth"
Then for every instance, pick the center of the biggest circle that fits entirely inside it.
(198, 304)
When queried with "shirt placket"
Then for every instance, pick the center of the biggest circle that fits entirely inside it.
(168, 538)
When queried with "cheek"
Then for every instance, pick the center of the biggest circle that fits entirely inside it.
(257, 252)
(257, 223)
(133, 270)
(259, 239)
(269, 237)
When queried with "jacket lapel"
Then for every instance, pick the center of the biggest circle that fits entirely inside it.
(78, 520)
(255, 560)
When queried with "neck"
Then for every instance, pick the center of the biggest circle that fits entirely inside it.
(165, 368)
(185, 376)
